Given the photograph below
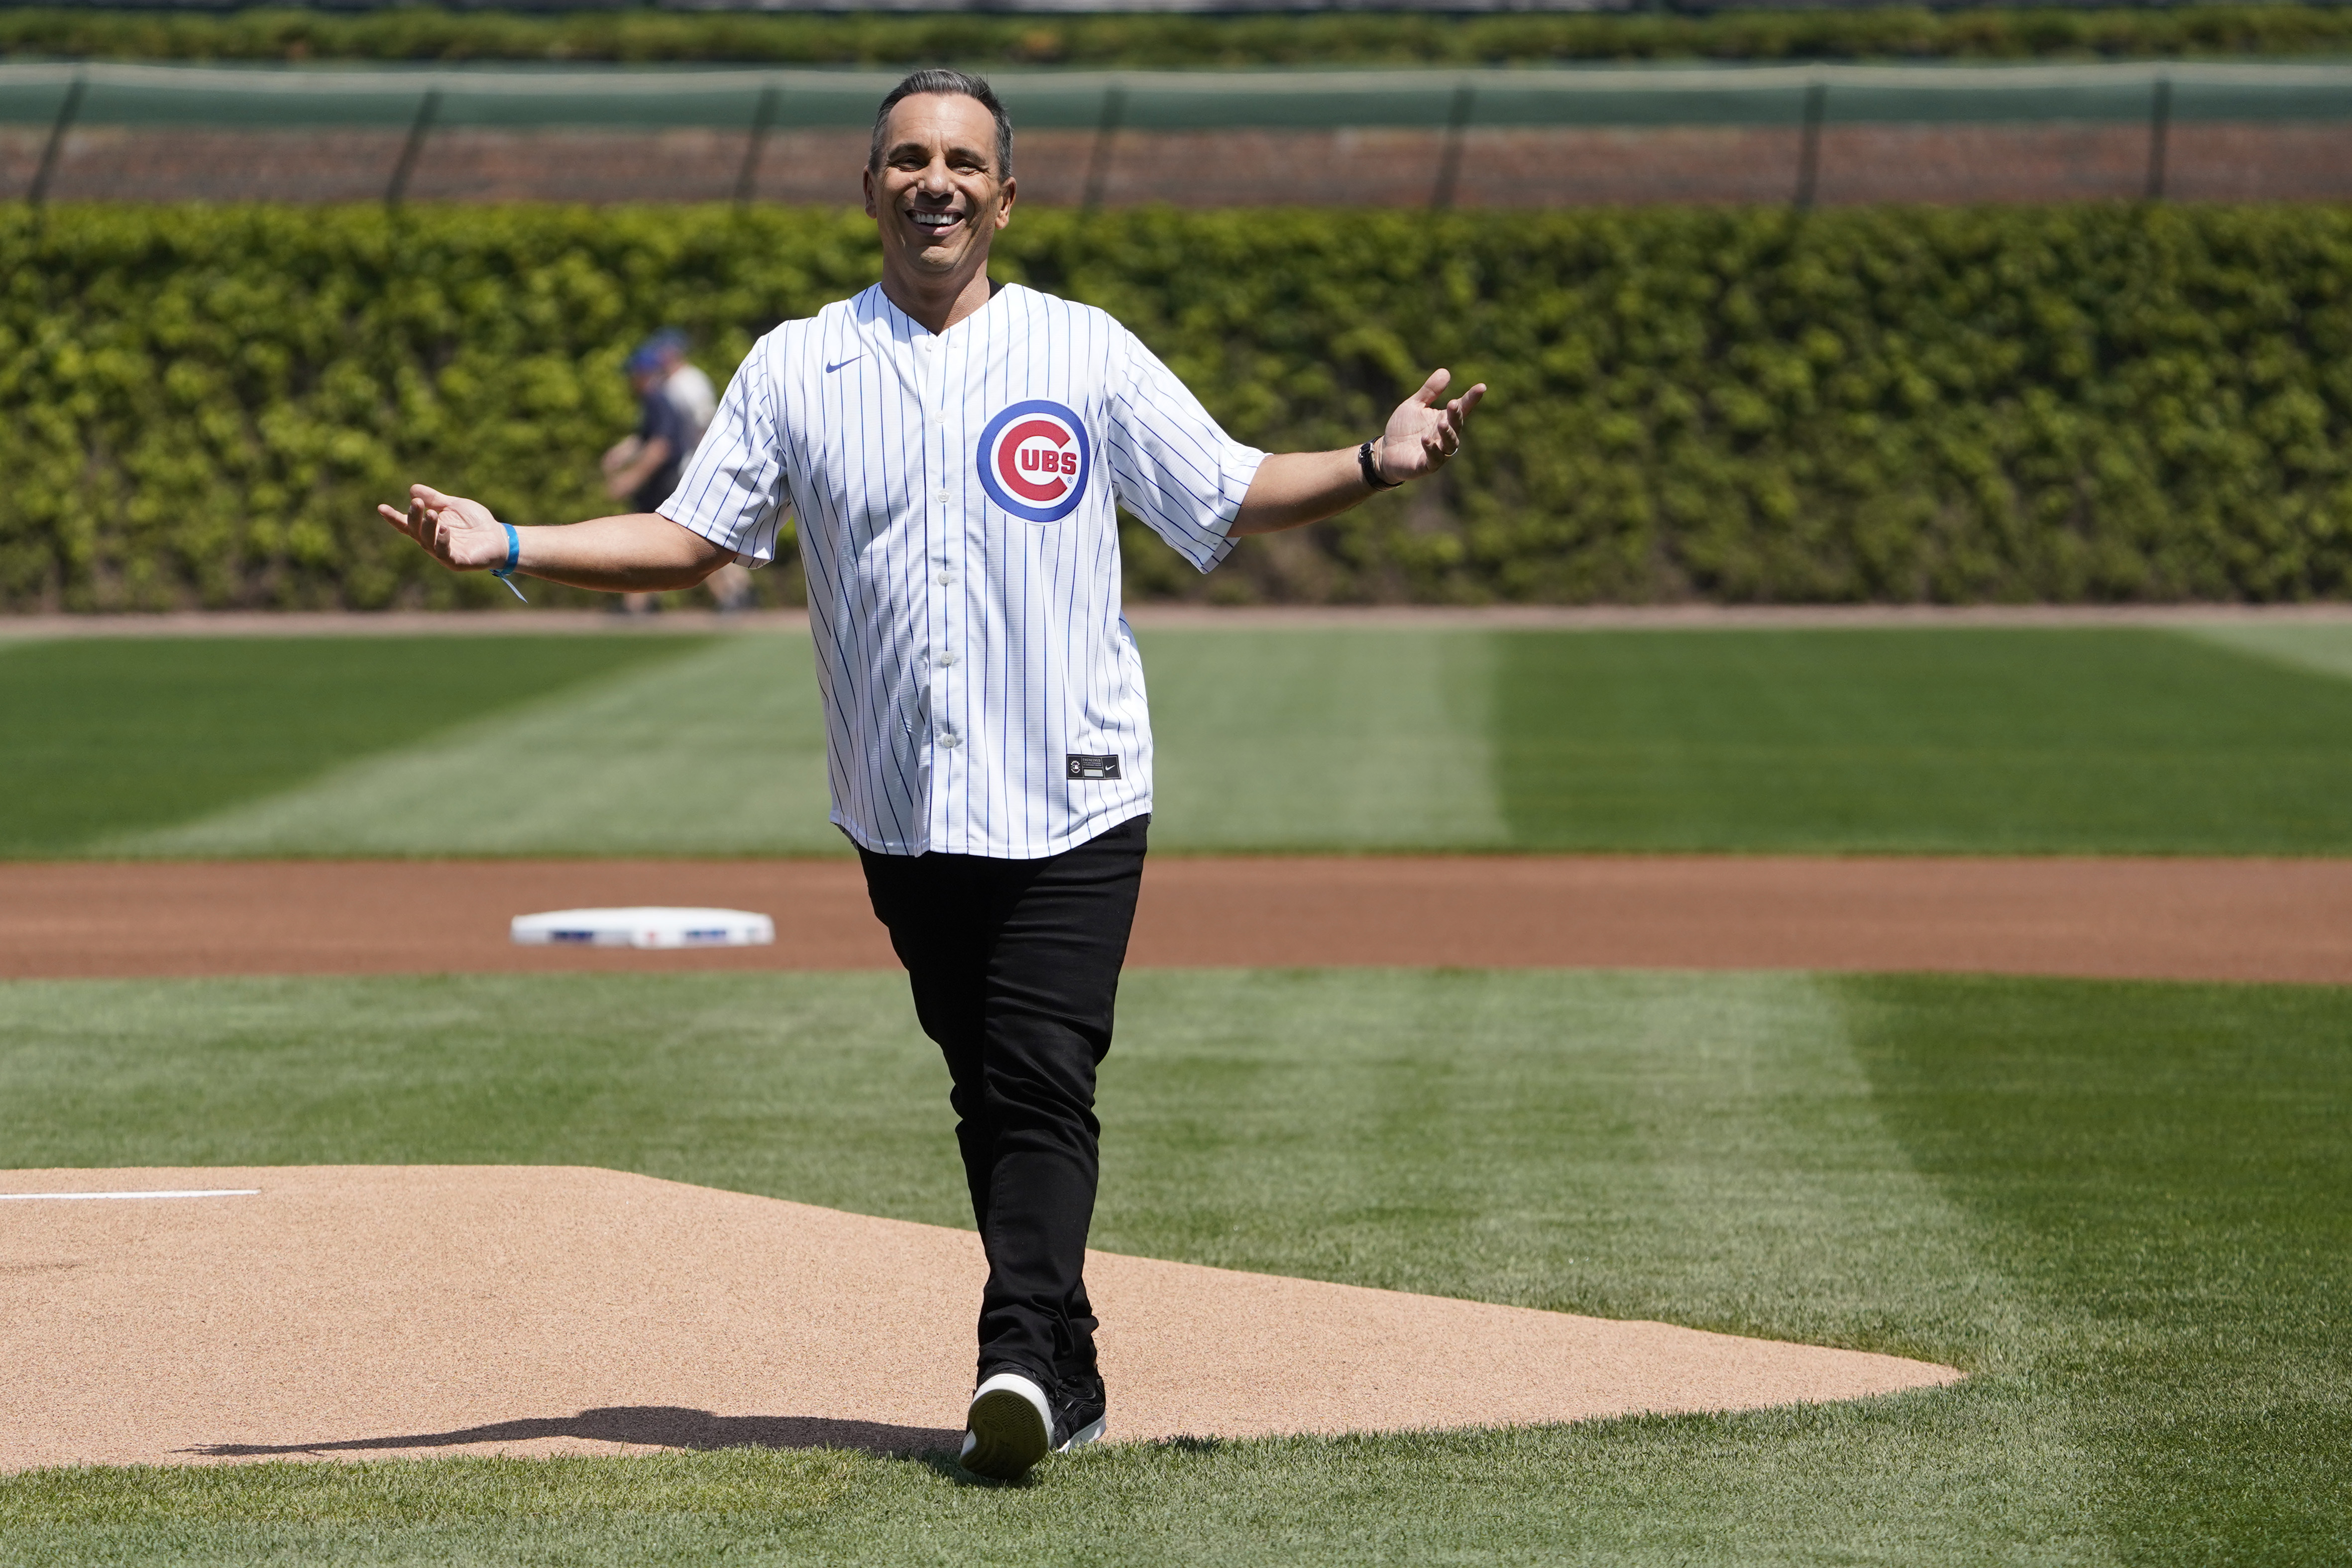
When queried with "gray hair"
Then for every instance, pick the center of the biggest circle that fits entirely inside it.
(954, 84)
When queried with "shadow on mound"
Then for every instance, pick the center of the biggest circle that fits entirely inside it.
(659, 1425)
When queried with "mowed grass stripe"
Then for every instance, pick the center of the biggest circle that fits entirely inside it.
(1323, 739)
(2319, 648)
(1911, 740)
(2166, 1169)
(1343, 741)
(107, 736)
(719, 751)
(1919, 740)
(2122, 1207)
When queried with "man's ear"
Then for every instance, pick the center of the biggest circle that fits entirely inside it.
(1004, 203)
(869, 181)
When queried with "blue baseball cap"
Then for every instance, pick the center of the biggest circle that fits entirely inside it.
(643, 359)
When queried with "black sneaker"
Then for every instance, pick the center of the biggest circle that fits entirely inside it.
(1080, 1410)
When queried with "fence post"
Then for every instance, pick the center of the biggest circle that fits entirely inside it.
(1099, 162)
(54, 148)
(1449, 162)
(398, 189)
(2159, 131)
(1809, 148)
(762, 117)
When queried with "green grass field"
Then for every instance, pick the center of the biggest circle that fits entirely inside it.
(2224, 740)
(2125, 1209)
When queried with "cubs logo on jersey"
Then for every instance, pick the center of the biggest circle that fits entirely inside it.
(1034, 459)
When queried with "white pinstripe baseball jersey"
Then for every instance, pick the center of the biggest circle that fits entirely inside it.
(955, 495)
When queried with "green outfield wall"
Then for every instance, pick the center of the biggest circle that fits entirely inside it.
(67, 96)
(2125, 402)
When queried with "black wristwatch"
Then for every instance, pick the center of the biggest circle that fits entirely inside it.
(1371, 473)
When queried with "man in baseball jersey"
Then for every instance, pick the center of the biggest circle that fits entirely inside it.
(954, 451)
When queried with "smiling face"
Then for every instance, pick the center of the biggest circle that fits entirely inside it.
(938, 196)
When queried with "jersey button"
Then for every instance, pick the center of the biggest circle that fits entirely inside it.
(947, 579)
(950, 741)
(947, 659)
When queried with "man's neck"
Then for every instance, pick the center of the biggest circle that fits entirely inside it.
(937, 303)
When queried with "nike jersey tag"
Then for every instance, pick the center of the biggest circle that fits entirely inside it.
(853, 359)
(1084, 767)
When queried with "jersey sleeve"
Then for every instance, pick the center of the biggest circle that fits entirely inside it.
(1171, 465)
(732, 492)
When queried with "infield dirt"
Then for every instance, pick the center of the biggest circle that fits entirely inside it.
(2181, 918)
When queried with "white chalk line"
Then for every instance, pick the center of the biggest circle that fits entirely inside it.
(71, 1197)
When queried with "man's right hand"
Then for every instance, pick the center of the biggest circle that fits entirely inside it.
(642, 551)
(459, 533)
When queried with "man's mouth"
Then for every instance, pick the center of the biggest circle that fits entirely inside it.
(936, 226)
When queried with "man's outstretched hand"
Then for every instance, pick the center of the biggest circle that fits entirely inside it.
(1292, 488)
(459, 533)
(639, 552)
(1422, 435)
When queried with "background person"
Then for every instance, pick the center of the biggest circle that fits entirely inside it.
(955, 452)
(684, 385)
(643, 468)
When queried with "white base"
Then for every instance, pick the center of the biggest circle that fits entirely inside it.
(644, 927)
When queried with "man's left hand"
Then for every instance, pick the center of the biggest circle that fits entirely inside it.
(1423, 435)
(1292, 488)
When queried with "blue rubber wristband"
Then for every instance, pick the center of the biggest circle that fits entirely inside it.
(514, 553)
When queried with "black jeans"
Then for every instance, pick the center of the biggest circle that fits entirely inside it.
(1014, 966)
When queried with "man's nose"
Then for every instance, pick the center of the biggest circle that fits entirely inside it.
(935, 178)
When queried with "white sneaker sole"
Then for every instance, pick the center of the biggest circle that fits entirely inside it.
(1083, 1435)
(1008, 1428)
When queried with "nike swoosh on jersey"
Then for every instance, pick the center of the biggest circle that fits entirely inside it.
(853, 359)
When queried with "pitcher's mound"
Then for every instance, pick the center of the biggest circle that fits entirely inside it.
(361, 1311)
